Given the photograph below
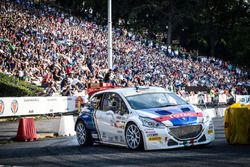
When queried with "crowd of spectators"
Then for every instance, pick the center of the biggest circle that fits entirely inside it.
(63, 54)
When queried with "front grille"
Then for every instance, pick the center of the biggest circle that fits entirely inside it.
(186, 132)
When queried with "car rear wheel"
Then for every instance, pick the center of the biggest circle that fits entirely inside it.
(134, 137)
(83, 134)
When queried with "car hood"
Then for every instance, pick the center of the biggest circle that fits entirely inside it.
(174, 115)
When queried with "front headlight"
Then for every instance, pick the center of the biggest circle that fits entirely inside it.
(148, 122)
(204, 119)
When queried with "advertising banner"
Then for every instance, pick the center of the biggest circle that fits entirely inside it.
(19, 106)
(243, 99)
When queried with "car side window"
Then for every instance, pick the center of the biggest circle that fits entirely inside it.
(96, 101)
(109, 101)
(123, 108)
(114, 102)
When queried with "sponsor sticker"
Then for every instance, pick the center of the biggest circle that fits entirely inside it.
(149, 131)
(119, 124)
(152, 134)
(210, 131)
(123, 118)
(14, 106)
(118, 117)
(154, 138)
(119, 131)
(1, 107)
(178, 115)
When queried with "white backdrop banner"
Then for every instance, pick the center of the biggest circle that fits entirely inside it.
(20, 106)
(245, 99)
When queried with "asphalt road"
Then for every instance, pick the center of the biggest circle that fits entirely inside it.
(64, 151)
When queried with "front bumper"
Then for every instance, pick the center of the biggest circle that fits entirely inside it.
(155, 139)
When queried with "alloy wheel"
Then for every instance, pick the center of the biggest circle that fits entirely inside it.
(81, 133)
(133, 136)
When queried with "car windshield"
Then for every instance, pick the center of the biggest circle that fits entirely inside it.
(154, 100)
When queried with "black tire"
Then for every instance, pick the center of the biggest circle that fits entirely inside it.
(133, 137)
(83, 135)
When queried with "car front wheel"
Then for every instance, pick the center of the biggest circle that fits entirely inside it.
(134, 137)
(83, 135)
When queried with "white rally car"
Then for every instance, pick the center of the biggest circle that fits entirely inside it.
(143, 118)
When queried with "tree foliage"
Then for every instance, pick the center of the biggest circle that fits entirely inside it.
(12, 87)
